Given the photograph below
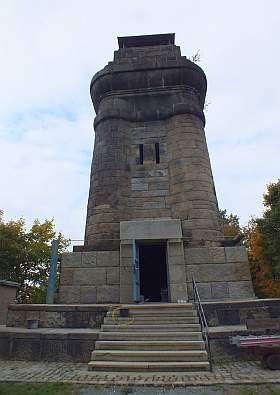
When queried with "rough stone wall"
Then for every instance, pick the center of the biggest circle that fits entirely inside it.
(192, 192)
(220, 272)
(90, 277)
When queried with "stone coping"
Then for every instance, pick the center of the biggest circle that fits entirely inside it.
(61, 307)
(9, 283)
(92, 307)
(241, 301)
(50, 332)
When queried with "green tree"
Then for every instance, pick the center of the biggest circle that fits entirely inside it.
(230, 223)
(262, 237)
(25, 256)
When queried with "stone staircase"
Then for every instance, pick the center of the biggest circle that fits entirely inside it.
(154, 337)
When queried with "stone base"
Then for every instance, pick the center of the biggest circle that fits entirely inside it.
(107, 276)
(220, 272)
(90, 277)
(60, 345)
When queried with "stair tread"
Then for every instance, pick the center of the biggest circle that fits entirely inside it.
(151, 352)
(136, 342)
(152, 364)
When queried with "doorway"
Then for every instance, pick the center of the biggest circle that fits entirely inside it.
(153, 272)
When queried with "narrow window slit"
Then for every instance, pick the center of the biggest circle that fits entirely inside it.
(141, 154)
(157, 152)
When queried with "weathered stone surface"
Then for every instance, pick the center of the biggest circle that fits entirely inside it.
(220, 290)
(113, 276)
(66, 276)
(89, 259)
(177, 274)
(108, 258)
(219, 272)
(126, 275)
(108, 294)
(71, 259)
(240, 289)
(154, 229)
(69, 294)
(178, 292)
(197, 255)
(217, 254)
(88, 294)
(93, 276)
(236, 254)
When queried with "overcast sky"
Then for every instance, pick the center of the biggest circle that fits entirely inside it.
(49, 50)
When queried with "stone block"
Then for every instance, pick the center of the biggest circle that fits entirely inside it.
(126, 273)
(219, 272)
(197, 255)
(126, 294)
(71, 259)
(174, 249)
(16, 318)
(177, 274)
(108, 294)
(113, 275)
(220, 290)
(236, 254)
(204, 291)
(52, 319)
(126, 262)
(152, 229)
(90, 276)
(217, 254)
(126, 250)
(69, 294)
(176, 260)
(108, 258)
(240, 289)
(88, 294)
(89, 259)
(178, 292)
(66, 276)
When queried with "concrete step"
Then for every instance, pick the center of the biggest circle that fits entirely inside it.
(150, 345)
(150, 320)
(148, 366)
(161, 306)
(157, 313)
(150, 335)
(149, 356)
(161, 327)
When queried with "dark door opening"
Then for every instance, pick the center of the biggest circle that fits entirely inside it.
(153, 274)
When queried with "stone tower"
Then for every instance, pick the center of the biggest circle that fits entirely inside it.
(152, 217)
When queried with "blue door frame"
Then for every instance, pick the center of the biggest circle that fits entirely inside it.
(136, 272)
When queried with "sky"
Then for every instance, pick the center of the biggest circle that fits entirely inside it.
(49, 51)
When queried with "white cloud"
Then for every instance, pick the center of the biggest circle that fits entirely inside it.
(49, 51)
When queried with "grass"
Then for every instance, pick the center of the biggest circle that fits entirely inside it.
(39, 389)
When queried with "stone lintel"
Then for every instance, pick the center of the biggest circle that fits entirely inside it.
(160, 229)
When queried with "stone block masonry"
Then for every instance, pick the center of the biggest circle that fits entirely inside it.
(90, 277)
(151, 187)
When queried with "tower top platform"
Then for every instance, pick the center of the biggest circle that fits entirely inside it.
(146, 40)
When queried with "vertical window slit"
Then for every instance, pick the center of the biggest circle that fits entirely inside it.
(157, 152)
(141, 154)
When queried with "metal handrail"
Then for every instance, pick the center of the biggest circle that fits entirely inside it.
(202, 320)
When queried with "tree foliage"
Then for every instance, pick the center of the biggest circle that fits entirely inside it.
(263, 243)
(25, 256)
(230, 224)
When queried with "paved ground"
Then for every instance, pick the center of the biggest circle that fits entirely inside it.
(228, 373)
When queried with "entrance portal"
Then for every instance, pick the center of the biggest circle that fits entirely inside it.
(153, 273)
